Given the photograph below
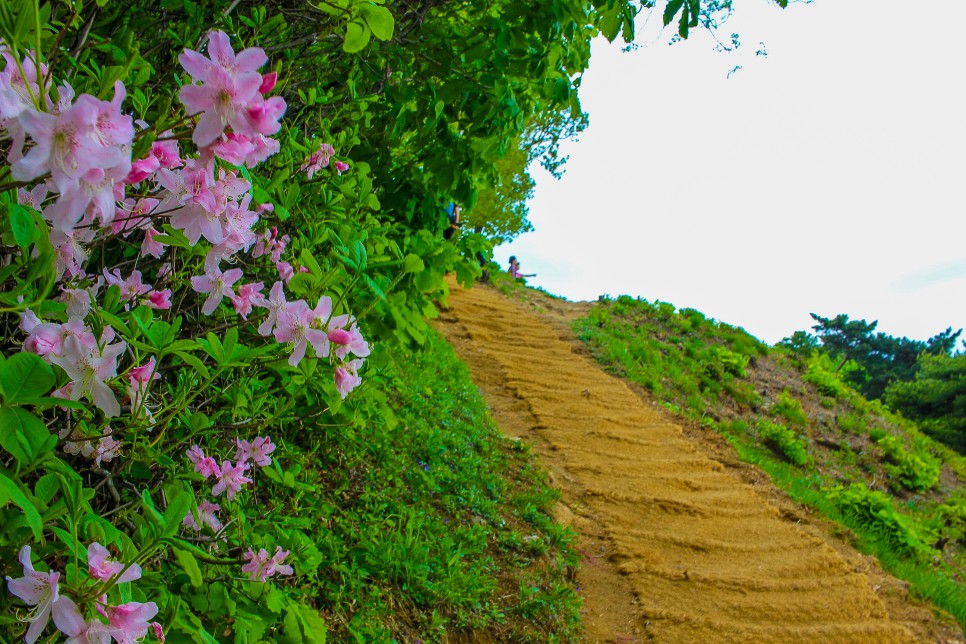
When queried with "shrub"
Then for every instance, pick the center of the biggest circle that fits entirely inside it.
(732, 363)
(789, 408)
(875, 514)
(783, 441)
(916, 471)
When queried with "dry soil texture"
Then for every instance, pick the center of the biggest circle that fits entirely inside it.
(676, 547)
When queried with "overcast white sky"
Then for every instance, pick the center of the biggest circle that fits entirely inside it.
(826, 177)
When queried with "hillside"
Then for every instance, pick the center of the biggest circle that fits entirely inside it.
(681, 540)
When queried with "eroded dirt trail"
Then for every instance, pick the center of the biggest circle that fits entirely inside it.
(676, 549)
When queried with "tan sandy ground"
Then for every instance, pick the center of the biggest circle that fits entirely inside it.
(676, 546)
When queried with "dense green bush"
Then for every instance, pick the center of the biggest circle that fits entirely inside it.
(915, 470)
(876, 514)
(784, 441)
(789, 408)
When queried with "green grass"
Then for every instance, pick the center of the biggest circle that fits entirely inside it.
(873, 473)
(435, 522)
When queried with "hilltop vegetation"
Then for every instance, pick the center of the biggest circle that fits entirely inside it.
(898, 492)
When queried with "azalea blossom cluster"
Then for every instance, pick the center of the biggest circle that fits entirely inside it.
(321, 159)
(229, 479)
(261, 567)
(127, 622)
(72, 157)
(78, 149)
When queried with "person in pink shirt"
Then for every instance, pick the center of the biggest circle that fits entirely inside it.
(514, 269)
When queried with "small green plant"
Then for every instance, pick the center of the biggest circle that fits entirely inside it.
(875, 514)
(789, 408)
(828, 377)
(916, 470)
(726, 361)
(783, 441)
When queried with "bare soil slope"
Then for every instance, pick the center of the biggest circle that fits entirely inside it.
(677, 548)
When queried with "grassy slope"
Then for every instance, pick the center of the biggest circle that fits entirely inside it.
(898, 492)
(439, 526)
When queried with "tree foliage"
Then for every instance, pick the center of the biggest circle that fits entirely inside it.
(935, 397)
(884, 358)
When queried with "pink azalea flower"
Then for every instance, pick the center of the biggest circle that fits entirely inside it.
(142, 169)
(264, 148)
(71, 254)
(77, 300)
(285, 271)
(46, 338)
(248, 295)
(275, 304)
(268, 82)
(42, 590)
(262, 116)
(231, 478)
(138, 380)
(258, 450)
(93, 632)
(347, 377)
(347, 339)
(89, 368)
(207, 514)
(131, 288)
(107, 449)
(165, 150)
(261, 567)
(129, 622)
(159, 300)
(229, 84)
(295, 326)
(341, 167)
(157, 631)
(190, 193)
(102, 566)
(34, 198)
(318, 160)
(270, 242)
(63, 145)
(233, 148)
(113, 129)
(204, 465)
(217, 285)
(151, 247)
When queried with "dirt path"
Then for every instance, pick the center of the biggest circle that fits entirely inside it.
(676, 548)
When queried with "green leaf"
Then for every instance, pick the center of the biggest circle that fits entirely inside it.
(356, 37)
(190, 565)
(214, 348)
(195, 362)
(374, 287)
(24, 435)
(23, 224)
(673, 6)
(10, 492)
(379, 19)
(25, 375)
(179, 505)
(293, 628)
(413, 264)
(308, 260)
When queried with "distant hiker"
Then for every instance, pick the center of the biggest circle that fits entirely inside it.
(481, 258)
(514, 269)
(453, 213)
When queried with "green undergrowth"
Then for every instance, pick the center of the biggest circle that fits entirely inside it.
(438, 527)
(896, 493)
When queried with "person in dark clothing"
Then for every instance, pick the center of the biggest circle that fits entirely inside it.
(453, 212)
